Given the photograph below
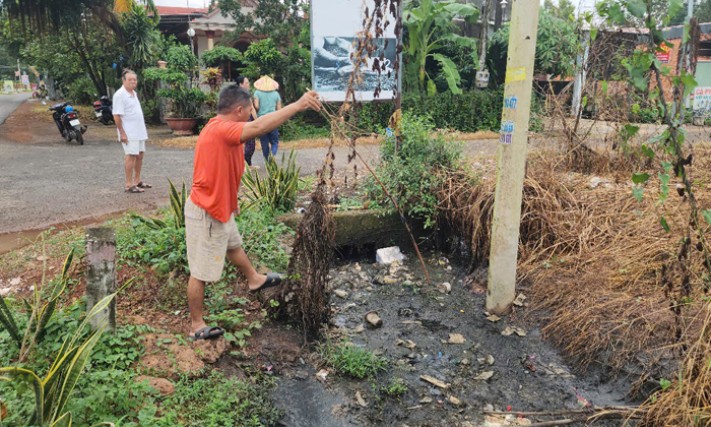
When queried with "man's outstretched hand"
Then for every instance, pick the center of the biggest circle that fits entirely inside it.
(310, 100)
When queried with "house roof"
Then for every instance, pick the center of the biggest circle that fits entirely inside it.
(173, 11)
(677, 31)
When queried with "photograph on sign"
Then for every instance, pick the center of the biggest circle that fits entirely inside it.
(335, 25)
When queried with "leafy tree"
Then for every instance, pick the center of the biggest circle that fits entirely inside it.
(555, 48)
(72, 53)
(7, 62)
(637, 13)
(703, 11)
(296, 71)
(262, 58)
(279, 19)
(142, 37)
(430, 27)
(223, 57)
(563, 10)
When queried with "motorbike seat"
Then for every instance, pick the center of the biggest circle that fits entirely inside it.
(58, 107)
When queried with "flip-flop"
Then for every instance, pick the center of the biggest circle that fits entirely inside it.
(143, 185)
(134, 189)
(273, 279)
(207, 333)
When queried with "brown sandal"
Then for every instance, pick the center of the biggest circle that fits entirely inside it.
(143, 185)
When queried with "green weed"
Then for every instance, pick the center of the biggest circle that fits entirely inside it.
(235, 325)
(350, 360)
(396, 387)
(217, 401)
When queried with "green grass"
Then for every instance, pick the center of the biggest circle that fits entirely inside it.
(217, 401)
(352, 361)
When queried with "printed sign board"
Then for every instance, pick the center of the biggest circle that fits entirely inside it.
(335, 25)
(663, 54)
(702, 101)
(8, 86)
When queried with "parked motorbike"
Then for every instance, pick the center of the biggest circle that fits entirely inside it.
(103, 110)
(67, 121)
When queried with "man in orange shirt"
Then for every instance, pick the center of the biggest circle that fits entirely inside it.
(210, 229)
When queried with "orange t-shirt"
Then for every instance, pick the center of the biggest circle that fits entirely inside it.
(218, 168)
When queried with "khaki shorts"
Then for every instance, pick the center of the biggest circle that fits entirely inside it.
(208, 240)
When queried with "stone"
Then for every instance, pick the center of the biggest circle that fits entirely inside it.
(374, 321)
(444, 288)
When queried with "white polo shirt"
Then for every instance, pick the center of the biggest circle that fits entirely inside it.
(128, 107)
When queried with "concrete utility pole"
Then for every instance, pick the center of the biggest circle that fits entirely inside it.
(511, 156)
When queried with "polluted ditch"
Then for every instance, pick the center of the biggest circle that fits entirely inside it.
(437, 358)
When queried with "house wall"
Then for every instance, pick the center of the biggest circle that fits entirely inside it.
(703, 73)
(703, 68)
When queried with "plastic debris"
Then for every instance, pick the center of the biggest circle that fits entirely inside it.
(389, 255)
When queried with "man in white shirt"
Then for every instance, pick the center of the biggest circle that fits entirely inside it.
(132, 132)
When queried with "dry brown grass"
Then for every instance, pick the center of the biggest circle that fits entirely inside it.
(687, 402)
(593, 260)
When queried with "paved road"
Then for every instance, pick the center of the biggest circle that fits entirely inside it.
(50, 182)
(46, 181)
(8, 104)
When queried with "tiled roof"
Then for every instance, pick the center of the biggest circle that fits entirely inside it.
(171, 10)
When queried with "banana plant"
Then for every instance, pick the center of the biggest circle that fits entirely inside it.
(430, 28)
(53, 391)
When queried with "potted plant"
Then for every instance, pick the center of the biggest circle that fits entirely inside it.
(185, 101)
(185, 108)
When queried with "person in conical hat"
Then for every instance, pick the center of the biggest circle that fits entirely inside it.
(267, 100)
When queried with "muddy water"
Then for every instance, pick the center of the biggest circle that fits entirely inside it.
(526, 373)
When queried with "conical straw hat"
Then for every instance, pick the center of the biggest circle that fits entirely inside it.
(266, 84)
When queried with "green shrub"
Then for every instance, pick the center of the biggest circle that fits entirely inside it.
(410, 174)
(162, 248)
(81, 91)
(469, 112)
(299, 128)
(262, 234)
(645, 114)
(374, 116)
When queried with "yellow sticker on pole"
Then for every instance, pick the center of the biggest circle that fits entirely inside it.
(516, 75)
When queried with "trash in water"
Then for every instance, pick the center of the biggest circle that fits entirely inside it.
(389, 255)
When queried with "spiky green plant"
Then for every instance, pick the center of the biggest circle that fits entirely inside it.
(53, 391)
(177, 208)
(39, 311)
(277, 191)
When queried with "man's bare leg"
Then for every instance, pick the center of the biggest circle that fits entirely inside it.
(129, 165)
(238, 257)
(137, 169)
(196, 297)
